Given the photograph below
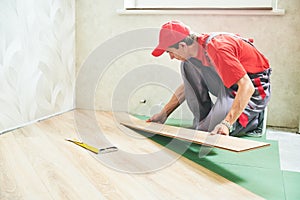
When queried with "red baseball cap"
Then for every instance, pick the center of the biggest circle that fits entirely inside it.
(170, 33)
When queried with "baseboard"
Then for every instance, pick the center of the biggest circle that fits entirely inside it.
(34, 121)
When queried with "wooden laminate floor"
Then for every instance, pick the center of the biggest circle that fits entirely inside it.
(37, 163)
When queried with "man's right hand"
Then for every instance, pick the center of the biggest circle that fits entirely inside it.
(159, 117)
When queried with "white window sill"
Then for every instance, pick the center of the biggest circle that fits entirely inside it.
(200, 12)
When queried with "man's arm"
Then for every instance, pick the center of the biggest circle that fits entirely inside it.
(176, 99)
(243, 95)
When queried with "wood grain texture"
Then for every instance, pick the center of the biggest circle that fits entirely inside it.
(37, 163)
(200, 137)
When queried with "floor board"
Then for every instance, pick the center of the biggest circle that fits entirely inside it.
(200, 137)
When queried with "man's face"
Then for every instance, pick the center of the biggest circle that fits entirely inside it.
(179, 54)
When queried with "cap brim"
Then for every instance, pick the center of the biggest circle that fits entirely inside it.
(158, 52)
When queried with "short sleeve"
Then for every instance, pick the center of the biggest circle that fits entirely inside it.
(224, 56)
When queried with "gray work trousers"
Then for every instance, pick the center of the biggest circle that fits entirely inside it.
(200, 82)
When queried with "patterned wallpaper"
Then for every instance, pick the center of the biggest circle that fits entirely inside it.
(37, 59)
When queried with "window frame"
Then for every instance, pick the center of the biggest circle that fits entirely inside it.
(198, 4)
(130, 8)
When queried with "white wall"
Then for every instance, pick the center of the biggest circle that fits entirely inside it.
(37, 59)
(276, 36)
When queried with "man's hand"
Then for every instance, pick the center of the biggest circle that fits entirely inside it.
(176, 99)
(221, 129)
(159, 117)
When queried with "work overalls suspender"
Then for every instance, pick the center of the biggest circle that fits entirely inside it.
(212, 35)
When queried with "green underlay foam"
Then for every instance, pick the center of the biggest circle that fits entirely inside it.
(257, 170)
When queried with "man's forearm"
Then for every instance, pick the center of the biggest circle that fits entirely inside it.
(176, 99)
(243, 95)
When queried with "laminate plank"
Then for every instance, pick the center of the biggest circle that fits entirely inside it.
(60, 177)
(200, 137)
(18, 179)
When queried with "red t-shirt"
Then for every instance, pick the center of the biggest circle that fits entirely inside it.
(232, 57)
